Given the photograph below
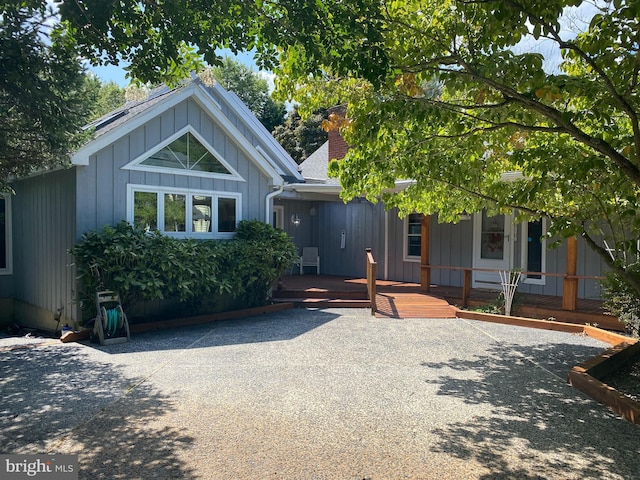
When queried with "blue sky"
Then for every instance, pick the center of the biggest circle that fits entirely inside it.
(116, 74)
(575, 19)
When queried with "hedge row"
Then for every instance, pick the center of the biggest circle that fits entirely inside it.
(144, 266)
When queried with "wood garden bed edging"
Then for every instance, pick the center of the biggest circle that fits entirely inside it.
(587, 376)
(186, 321)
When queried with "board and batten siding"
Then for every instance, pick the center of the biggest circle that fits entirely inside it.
(363, 226)
(321, 225)
(451, 245)
(589, 263)
(102, 185)
(44, 229)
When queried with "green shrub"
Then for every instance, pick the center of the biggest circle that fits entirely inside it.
(262, 255)
(143, 266)
(622, 300)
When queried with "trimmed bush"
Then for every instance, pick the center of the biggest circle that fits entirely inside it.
(144, 266)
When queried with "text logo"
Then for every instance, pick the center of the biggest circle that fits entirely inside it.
(50, 467)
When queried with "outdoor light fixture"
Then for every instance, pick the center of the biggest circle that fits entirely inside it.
(295, 219)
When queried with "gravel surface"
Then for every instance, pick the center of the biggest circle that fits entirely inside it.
(317, 394)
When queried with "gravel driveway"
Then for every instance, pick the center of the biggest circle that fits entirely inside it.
(317, 394)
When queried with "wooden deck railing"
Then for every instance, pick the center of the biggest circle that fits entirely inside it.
(569, 290)
(371, 280)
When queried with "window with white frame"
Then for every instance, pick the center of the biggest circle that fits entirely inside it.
(183, 212)
(185, 153)
(534, 250)
(5, 235)
(413, 236)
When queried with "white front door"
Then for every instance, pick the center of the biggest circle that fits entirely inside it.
(492, 248)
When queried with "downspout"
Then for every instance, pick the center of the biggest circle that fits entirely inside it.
(268, 198)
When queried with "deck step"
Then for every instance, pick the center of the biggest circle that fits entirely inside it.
(413, 305)
(320, 293)
(325, 302)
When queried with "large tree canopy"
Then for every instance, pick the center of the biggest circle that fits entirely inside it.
(43, 93)
(566, 118)
(160, 40)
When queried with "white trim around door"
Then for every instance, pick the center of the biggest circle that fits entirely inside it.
(493, 248)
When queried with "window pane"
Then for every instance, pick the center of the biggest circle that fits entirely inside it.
(415, 229)
(167, 158)
(414, 246)
(201, 213)
(186, 153)
(208, 163)
(145, 210)
(534, 248)
(414, 239)
(492, 237)
(226, 214)
(175, 212)
(3, 233)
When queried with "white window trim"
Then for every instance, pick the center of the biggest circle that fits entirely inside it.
(405, 249)
(189, 193)
(525, 260)
(136, 164)
(8, 270)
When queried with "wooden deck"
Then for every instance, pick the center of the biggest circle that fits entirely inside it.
(405, 300)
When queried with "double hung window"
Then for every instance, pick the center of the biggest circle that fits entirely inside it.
(413, 236)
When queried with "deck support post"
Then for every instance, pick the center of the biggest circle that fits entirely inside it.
(466, 287)
(425, 266)
(371, 280)
(570, 284)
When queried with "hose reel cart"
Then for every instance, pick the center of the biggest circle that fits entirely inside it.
(111, 325)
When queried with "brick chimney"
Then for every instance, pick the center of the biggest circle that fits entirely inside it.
(337, 146)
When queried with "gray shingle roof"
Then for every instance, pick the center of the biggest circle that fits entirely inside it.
(314, 168)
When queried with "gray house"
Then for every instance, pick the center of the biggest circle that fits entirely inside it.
(313, 214)
(190, 162)
(194, 161)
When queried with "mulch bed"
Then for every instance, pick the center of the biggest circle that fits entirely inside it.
(627, 379)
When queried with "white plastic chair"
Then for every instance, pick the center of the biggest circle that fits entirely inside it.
(310, 258)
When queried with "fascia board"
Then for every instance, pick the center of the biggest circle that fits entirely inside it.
(314, 188)
(81, 157)
(208, 103)
(275, 149)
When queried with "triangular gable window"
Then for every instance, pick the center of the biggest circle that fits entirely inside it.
(186, 153)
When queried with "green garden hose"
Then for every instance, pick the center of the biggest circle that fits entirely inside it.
(113, 321)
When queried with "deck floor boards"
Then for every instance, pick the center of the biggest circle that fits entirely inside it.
(406, 300)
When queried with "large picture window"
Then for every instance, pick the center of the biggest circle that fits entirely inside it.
(184, 213)
(5, 234)
(413, 235)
